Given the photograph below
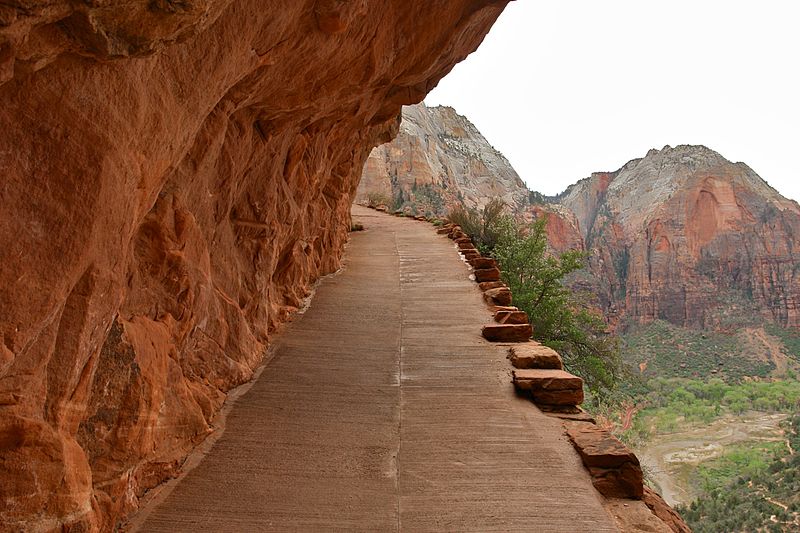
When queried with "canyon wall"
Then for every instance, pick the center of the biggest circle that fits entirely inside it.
(175, 177)
(438, 160)
(686, 236)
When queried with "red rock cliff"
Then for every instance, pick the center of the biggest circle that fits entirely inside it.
(175, 176)
(676, 234)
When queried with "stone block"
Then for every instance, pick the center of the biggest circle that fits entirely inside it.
(487, 274)
(498, 296)
(614, 468)
(534, 355)
(511, 317)
(545, 379)
(558, 397)
(507, 332)
(483, 262)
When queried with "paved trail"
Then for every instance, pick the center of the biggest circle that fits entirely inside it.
(384, 410)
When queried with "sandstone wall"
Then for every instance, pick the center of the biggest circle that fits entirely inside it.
(175, 176)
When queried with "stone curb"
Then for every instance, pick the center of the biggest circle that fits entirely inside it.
(538, 372)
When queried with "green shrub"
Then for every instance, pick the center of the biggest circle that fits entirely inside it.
(560, 319)
(375, 199)
(481, 226)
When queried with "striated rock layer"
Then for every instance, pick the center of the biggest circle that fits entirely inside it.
(175, 176)
(682, 232)
(438, 160)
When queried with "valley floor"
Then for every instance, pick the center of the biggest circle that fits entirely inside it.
(670, 459)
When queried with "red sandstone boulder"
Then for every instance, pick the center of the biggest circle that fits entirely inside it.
(498, 296)
(483, 262)
(507, 332)
(662, 510)
(545, 379)
(558, 397)
(622, 482)
(487, 274)
(486, 285)
(465, 244)
(535, 355)
(511, 317)
(614, 468)
(549, 386)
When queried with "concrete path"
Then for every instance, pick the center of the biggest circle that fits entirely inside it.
(384, 410)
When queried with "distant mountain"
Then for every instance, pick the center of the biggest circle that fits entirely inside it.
(439, 159)
(686, 236)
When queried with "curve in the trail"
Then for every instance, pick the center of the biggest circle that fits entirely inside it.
(383, 409)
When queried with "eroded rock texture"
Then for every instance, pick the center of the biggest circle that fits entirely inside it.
(684, 234)
(438, 160)
(175, 176)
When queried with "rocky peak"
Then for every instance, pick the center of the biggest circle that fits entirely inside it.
(674, 230)
(439, 159)
(634, 191)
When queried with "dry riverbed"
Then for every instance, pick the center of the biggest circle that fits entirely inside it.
(669, 459)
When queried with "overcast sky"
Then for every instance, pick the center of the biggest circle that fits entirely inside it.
(566, 88)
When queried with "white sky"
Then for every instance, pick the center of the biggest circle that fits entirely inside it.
(566, 88)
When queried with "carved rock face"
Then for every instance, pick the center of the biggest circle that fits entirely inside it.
(175, 176)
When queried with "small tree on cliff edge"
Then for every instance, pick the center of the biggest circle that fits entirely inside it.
(481, 226)
(559, 318)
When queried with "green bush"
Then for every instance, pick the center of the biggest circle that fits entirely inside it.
(481, 226)
(560, 319)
